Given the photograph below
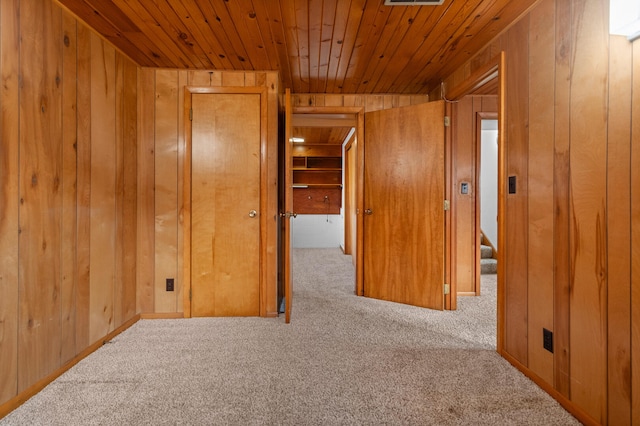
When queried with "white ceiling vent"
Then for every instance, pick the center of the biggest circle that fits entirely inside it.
(412, 2)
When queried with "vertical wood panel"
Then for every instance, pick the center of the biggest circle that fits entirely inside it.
(166, 197)
(271, 298)
(9, 194)
(69, 196)
(588, 217)
(103, 189)
(129, 207)
(179, 283)
(233, 79)
(540, 249)
(517, 118)
(561, 269)
(145, 195)
(463, 157)
(619, 233)
(119, 190)
(83, 190)
(40, 191)
(635, 237)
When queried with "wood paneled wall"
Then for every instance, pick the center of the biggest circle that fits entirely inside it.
(67, 191)
(369, 102)
(464, 168)
(161, 180)
(573, 227)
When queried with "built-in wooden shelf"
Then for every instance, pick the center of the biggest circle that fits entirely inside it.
(317, 179)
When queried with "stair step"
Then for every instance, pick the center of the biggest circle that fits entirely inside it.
(486, 252)
(488, 266)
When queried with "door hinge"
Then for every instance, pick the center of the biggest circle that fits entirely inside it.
(447, 288)
(447, 206)
(189, 294)
(447, 121)
(191, 114)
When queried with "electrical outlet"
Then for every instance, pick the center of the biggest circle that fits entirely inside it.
(170, 282)
(547, 340)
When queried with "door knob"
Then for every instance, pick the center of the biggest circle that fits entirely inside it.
(368, 212)
(253, 213)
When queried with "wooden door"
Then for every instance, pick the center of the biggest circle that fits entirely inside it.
(288, 214)
(403, 199)
(225, 203)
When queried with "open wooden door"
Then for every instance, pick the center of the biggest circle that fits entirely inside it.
(404, 190)
(287, 214)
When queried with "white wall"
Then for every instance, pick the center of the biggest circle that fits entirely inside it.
(317, 230)
(489, 180)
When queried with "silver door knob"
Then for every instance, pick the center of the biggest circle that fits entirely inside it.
(253, 213)
(368, 212)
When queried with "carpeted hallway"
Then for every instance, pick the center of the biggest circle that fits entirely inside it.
(343, 360)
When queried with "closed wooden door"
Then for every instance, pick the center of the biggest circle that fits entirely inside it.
(403, 199)
(225, 202)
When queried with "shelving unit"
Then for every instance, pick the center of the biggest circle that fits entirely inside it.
(317, 179)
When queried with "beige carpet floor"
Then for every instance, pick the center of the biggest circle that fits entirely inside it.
(343, 360)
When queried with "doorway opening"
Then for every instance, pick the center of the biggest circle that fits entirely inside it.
(319, 183)
(487, 262)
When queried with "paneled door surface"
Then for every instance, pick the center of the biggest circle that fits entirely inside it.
(404, 205)
(288, 213)
(225, 202)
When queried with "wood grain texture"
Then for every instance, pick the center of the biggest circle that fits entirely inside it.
(269, 195)
(515, 250)
(463, 205)
(404, 188)
(562, 144)
(166, 195)
(68, 252)
(588, 240)
(48, 117)
(40, 191)
(103, 190)
(317, 200)
(9, 198)
(635, 238)
(83, 176)
(129, 196)
(225, 185)
(145, 246)
(540, 179)
(619, 232)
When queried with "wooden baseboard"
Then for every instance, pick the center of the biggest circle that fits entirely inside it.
(568, 405)
(23, 396)
(162, 315)
(466, 293)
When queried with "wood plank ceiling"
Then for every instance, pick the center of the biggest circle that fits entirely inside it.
(319, 46)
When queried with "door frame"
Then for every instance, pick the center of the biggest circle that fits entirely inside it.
(478, 145)
(186, 213)
(359, 113)
(491, 74)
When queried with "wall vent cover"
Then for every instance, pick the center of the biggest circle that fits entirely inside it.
(413, 2)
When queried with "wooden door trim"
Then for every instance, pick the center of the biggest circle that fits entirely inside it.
(348, 249)
(359, 112)
(186, 213)
(494, 68)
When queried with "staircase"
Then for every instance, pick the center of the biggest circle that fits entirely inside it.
(488, 265)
